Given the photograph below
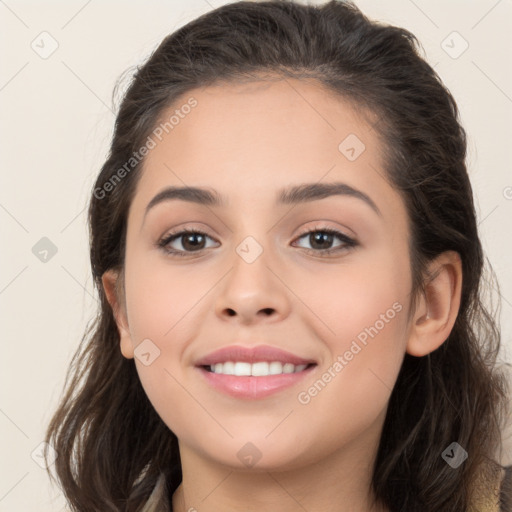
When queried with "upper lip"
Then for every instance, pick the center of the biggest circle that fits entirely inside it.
(251, 355)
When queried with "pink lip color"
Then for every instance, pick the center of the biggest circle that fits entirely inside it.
(249, 387)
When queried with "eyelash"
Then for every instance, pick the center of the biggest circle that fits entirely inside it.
(348, 243)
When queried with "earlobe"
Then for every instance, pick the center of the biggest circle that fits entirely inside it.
(109, 280)
(438, 308)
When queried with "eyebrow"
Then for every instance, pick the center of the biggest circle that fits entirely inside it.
(292, 195)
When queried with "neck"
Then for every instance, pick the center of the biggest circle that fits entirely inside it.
(340, 481)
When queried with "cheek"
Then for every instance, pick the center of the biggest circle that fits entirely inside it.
(352, 388)
(357, 295)
(163, 304)
(157, 305)
(365, 309)
(160, 296)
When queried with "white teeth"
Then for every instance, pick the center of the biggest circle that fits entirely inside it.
(288, 368)
(259, 369)
(275, 368)
(227, 368)
(242, 369)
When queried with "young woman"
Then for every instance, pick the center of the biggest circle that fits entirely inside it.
(285, 247)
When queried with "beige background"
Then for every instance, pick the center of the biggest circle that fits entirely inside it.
(56, 122)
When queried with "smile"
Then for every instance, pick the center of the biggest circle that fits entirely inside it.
(253, 381)
(258, 369)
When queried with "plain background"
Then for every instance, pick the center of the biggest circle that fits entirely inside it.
(56, 121)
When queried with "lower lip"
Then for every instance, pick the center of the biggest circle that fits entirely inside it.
(249, 387)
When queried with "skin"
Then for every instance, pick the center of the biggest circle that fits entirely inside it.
(247, 141)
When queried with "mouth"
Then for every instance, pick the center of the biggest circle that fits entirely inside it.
(257, 369)
(253, 381)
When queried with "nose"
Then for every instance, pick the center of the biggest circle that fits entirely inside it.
(253, 293)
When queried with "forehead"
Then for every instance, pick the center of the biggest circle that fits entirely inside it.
(251, 139)
(271, 118)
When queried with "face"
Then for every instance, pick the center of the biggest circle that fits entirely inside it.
(323, 277)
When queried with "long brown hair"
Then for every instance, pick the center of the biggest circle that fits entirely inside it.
(111, 443)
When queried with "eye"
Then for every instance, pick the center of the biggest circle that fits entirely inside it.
(191, 240)
(320, 237)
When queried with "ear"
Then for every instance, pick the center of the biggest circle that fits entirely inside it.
(437, 309)
(110, 280)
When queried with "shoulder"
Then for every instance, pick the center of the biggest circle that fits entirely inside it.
(505, 454)
(506, 490)
(491, 495)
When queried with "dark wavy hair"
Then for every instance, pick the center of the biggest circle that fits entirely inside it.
(111, 443)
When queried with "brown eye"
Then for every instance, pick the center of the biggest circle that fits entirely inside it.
(321, 241)
(189, 240)
(192, 241)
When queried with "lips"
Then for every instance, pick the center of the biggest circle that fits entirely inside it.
(253, 387)
(257, 354)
